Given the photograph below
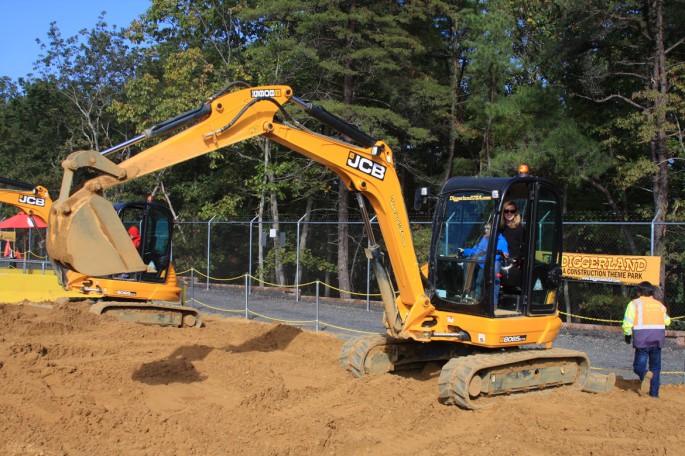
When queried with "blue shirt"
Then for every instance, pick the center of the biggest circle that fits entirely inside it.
(482, 247)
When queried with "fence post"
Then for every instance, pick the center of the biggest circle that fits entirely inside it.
(368, 271)
(209, 242)
(651, 240)
(192, 283)
(317, 306)
(249, 260)
(297, 261)
(247, 293)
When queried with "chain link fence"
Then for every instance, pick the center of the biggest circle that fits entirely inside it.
(308, 252)
(307, 249)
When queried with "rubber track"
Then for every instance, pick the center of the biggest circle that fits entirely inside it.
(456, 375)
(130, 308)
(354, 352)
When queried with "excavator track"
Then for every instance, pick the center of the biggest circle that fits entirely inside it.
(150, 313)
(378, 354)
(466, 378)
(355, 352)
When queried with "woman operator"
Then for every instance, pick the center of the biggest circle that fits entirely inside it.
(511, 229)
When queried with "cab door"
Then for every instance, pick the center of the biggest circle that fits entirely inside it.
(545, 234)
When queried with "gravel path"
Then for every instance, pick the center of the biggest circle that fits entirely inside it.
(607, 350)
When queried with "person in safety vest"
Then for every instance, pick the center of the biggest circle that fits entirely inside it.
(645, 324)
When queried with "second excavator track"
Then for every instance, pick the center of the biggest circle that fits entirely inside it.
(150, 313)
(466, 378)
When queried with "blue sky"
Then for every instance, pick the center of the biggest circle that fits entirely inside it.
(22, 21)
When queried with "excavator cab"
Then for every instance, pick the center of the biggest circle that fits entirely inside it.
(468, 271)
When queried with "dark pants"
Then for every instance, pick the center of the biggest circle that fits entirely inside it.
(477, 288)
(653, 354)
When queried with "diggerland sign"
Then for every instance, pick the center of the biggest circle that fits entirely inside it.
(624, 269)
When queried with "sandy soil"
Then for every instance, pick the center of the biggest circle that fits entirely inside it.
(73, 383)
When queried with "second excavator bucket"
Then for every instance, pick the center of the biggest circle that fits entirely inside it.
(85, 234)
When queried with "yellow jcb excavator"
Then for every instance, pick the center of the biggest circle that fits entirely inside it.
(455, 311)
(144, 297)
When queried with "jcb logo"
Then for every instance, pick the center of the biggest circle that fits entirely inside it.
(265, 93)
(32, 200)
(366, 166)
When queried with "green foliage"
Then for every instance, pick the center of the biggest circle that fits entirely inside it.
(422, 241)
(224, 208)
(605, 307)
(36, 132)
(90, 71)
(677, 325)
(179, 84)
(288, 256)
(458, 87)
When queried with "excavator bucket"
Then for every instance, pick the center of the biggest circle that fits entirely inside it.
(85, 234)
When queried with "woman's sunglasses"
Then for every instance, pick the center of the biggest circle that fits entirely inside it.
(510, 211)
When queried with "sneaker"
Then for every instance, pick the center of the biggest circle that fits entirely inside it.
(644, 384)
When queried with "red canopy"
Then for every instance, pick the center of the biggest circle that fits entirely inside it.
(22, 220)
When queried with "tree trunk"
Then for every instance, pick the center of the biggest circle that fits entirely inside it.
(273, 199)
(627, 232)
(487, 140)
(343, 193)
(343, 241)
(658, 145)
(304, 233)
(260, 248)
(455, 83)
(278, 249)
(260, 225)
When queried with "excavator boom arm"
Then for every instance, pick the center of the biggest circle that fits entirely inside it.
(83, 218)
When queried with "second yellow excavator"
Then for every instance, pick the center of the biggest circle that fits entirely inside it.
(473, 313)
(148, 296)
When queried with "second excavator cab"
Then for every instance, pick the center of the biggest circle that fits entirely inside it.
(150, 296)
(154, 223)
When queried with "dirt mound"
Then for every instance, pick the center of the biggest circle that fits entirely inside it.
(74, 383)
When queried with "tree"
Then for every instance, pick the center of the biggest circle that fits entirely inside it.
(90, 70)
(623, 61)
(355, 54)
(212, 27)
(35, 131)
